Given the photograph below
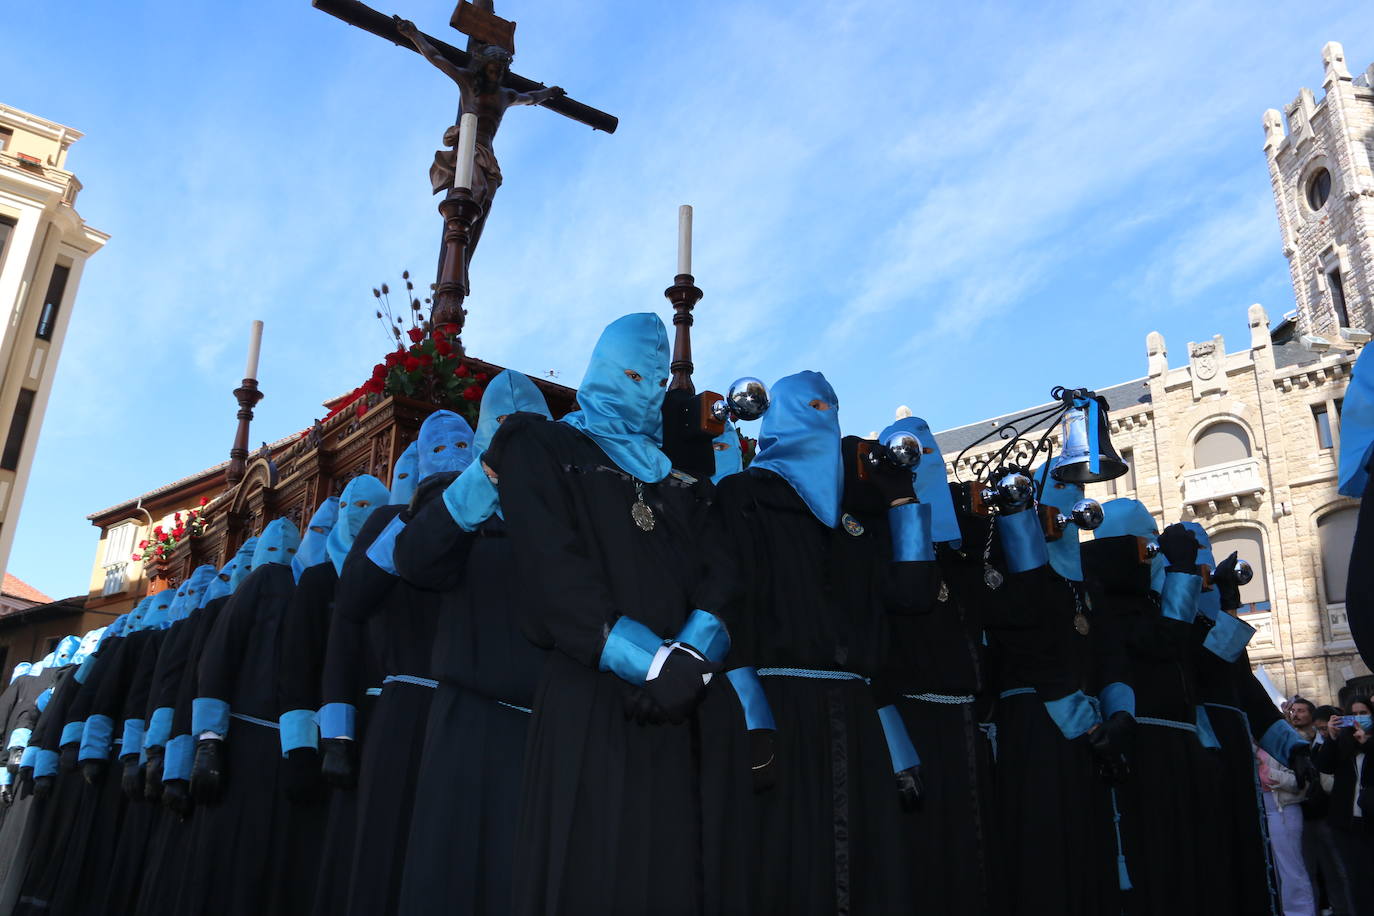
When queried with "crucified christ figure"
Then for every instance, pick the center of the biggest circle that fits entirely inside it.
(483, 93)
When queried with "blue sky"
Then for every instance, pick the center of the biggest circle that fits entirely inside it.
(951, 206)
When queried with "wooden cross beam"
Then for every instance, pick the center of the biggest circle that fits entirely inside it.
(366, 18)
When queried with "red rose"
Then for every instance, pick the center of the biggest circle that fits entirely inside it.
(416, 334)
(176, 516)
(137, 557)
(426, 359)
(411, 364)
(157, 532)
(472, 393)
(461, 371)
(378, 372)
(450, 329)
(205, 500)
(442, 347)
(482, 377)
(142, 545)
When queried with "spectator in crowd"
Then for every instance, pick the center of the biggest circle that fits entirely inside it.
(1302, 715)
(1324, 865)
(1342, 754)
(1282, 806)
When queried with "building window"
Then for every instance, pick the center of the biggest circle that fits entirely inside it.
(1323, 418)
(6, 229)
(6, 138)
(19, 425)
(1248, 544)
(57, 286)
(119, 547)
(1318, 188)
(1221, 443)
(1126, 482)
(1336, 535)
(1336, 285)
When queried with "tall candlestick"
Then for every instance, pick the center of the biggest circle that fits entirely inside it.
(254, 348)
(467, 147)
(684, 239)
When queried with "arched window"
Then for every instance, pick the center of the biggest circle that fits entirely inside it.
(1248, 543)
(1220, 443)
(1336, 534)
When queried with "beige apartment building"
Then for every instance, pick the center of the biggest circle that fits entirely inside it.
(44, 244)
(1245, 442)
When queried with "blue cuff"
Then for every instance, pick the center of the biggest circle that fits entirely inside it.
(706, 633)
(159, 727)
(757, 713)
(472, 498)
(911, 533)
(1023, 541)
(899, 746)
(176, 763)
(43, 699)
(1074, 714)
(30, 755)
(45, 764)
(382, 550)
(337, 720)
(298, 730)
(1179, 597)
(629, 651)
(96, 738)
(209, 715)
(19, 738)
(84, 671)
(133, 736)
(1279, 740)
(1117, 697)
(1229, 637)
(71, 733)
(1205, 734)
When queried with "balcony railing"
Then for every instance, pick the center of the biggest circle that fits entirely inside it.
(1223, 483)
(116, 579)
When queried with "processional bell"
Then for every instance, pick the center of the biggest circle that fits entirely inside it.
(1076, 459)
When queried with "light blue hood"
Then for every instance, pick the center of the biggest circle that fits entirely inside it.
(802, 444)
(360, 499)
(314, 548)
(729, 460)
(276, 544)
(192, 594)
(932, 482)
(406, 476)
(243, 563)
(445, 444)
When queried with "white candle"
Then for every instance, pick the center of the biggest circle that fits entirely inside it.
(254, 348)
(684, 239)
(467, 147)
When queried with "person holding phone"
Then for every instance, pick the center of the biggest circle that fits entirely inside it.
(1342, 753)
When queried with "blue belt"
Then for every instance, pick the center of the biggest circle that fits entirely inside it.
(945, 699)
(823, 674)
(1167, 723)
(254, 719)
(374, 691)
(524, 709)
(411, 680)
(1015, 692)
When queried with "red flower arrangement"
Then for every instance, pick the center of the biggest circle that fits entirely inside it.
(748, 448)
(165, 540)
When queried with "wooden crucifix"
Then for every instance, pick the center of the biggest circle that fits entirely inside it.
(486, 88)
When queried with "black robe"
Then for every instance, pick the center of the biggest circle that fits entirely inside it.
(462, 839)
(231, 850)
(609, 812)
(400, 619)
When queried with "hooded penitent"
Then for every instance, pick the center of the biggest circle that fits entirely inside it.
(191, 595)
(242, 563)
(161, 609)
(621, 396)
(1208, 600)
(89, 643)
(66, 651)
(276, 544)
(314, 549)
(363, 494)
(1065, 554)
(932, 483)
(134, 619)
(472, 499)
(799, 440)
(20, 670)
(1130, 517)
(406, 477)
(445, 444)
(728, 458)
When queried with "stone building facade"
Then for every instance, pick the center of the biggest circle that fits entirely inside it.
(1246, 442)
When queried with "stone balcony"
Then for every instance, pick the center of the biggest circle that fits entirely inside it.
(1222, 486)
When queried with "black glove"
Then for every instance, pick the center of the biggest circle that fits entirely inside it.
(641, 708)
(176, 797)
(66, 759)
(42, 787)
(509, 427)
(301, 776)
(339, 762)
(763, 758)
(910, 789)
(93, 770)
(871, 488)
(24, 781)
(207, 771)
(1227, 586)
(1112, 742)
(1300, 762)
(679, 685)
(16, 754)
(1179, 546)
(132, 782)
(152, 773)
